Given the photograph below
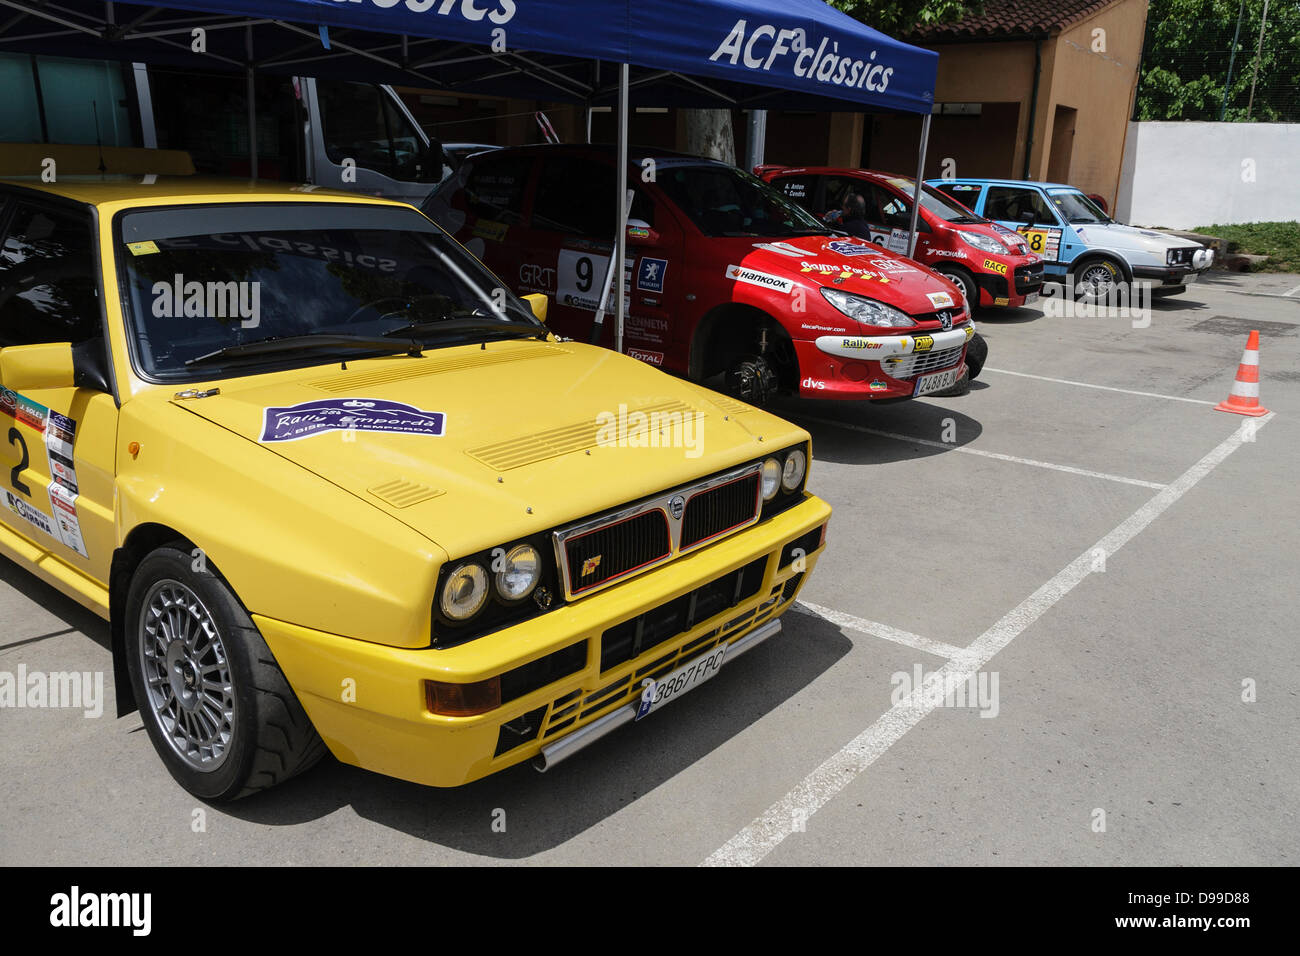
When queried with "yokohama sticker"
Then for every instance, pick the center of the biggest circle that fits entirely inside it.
(352, 414)
(741, 274)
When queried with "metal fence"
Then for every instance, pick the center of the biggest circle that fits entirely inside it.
(1232, 60)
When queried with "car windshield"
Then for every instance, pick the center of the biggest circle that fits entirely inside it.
(1075, 207)
(935, 202)
(276, 284)
(724, 201)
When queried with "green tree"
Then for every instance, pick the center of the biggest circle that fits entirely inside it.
(1189, 50)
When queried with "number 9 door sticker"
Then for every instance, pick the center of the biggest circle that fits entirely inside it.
(579, 278)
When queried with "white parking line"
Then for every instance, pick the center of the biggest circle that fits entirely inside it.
(906, 638)
(1104, 388)
(966, 450)
(766, 832)
(1291, 292)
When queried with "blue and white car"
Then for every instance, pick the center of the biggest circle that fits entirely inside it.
(1076, 239)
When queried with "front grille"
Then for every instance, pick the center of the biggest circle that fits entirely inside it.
(607, 548)
(1029, 278)
(1181, 256)
(919, 363)
(622, 642)
(598, 556)
(718, 510)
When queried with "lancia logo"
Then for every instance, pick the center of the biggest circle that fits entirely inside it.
(590, 565)
(945, 320)
(676, 506)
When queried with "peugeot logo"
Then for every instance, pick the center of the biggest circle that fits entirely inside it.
(945, 320)
(676, 506)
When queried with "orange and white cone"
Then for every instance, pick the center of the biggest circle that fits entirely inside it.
(1243, 399)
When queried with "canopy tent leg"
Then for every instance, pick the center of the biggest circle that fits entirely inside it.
(920, 178)
(757, 144)
(620, 243)
(252, 106)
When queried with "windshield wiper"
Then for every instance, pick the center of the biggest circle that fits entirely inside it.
(469, 326)
(309, 341)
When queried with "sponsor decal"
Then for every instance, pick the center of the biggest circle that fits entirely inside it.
(1044, 242)
(535, 276)
(813, 384)
(844, 272)
(885, 264)
(492, 231)
(993, 266)
(650, 358)
(922, 343)
(29, 514)
(638, 232)
(146, 248)
(1001, 300)
(304, 420)
(860, 344)
(821, 328)
(741, 274)
(940, 300)
(650, 275)
(848, 247)
(878, 386)
(63, 505)
(948, 254)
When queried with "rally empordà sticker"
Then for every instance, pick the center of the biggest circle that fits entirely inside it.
(351, 414)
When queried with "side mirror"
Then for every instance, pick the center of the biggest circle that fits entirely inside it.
(26, 368)
(1027, 217)
(538, 302)
(640, 233)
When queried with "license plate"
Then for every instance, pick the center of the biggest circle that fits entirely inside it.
(1190, 278)
(1031, 298)
(936, 382)
(657, 693)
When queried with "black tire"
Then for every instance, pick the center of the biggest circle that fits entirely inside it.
(269, 739)
(963, 280)
(977, 353)
(1095, 278)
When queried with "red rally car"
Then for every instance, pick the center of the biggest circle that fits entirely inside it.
(725, 276)
(991, 264)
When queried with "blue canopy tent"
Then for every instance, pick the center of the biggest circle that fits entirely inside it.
(754, 54)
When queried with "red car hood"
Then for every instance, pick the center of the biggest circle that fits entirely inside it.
(853, 265)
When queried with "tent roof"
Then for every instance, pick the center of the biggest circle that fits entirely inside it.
(763, 54)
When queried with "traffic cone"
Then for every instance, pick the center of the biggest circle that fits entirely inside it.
(1243, 399)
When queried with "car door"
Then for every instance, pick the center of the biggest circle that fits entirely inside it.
(654, 330)
(58, 465)
(1012, 206)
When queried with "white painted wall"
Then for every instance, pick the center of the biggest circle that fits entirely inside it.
(1183, 175)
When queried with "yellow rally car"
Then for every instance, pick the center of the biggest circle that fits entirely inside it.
(335, 487)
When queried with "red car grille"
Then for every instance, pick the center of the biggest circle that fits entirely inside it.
(718, 510)
(607, 553)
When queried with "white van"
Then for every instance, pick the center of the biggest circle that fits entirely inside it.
(338, 133)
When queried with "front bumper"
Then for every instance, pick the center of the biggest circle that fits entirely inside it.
(367, 701)
(877, 366)
(1167, 277)
(997, 290)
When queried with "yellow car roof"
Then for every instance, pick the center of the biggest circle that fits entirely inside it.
(149, 190)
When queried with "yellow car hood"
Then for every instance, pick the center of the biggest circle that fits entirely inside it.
(490, 444)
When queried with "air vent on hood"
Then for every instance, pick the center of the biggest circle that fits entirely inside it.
(517, 452)
(397, 369)
(401, 493)
(730, 405)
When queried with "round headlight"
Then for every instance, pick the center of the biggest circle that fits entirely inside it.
(771, 478)
(464, 593)
(795, 466)
(519, 572)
